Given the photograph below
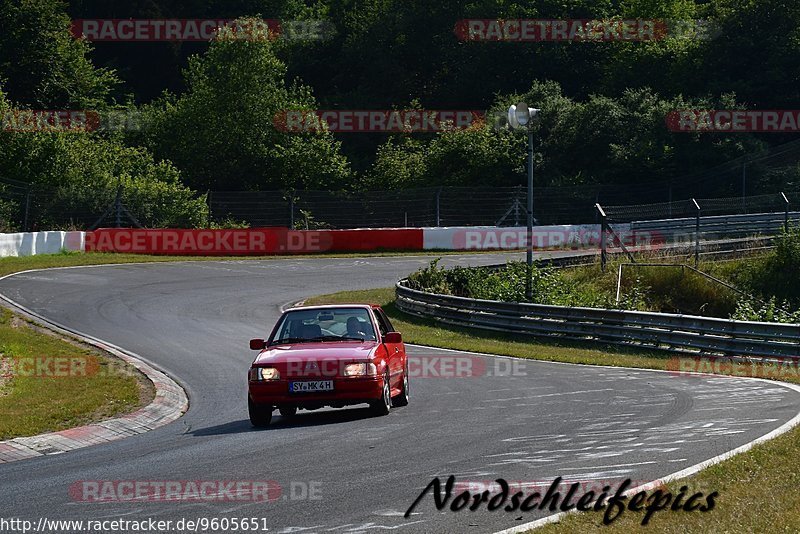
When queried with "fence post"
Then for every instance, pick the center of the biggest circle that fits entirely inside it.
(27, 208)
(670, 198)
(696, 234)
(291, 211)
(118, 207)
(603, 229)
(744, 187)
(438, 208)
(785, 212)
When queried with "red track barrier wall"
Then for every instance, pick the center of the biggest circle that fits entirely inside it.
(249, 242)
(373, 239)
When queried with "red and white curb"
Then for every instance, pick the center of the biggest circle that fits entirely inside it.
(169, 404)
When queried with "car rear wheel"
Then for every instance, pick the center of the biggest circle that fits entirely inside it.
(382, 405)
(260, 416)
(287, 411)
(403, 397)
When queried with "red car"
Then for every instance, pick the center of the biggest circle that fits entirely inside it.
(328, 356)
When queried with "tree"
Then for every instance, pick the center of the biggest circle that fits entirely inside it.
(75, 176)
(601, 140)
(41, 65)
(224, 132)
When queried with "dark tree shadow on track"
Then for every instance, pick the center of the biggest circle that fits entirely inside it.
(302, 419)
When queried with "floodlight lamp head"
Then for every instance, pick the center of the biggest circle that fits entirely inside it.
(520, 116)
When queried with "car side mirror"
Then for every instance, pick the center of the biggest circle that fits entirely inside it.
(258, 344)
(393, 337)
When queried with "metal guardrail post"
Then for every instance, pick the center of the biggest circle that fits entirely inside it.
(696, 234)
(603, 230)
(785, 212)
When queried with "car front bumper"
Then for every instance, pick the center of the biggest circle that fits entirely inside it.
(354, 390)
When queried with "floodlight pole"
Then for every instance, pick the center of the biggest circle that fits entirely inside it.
(529, 277)
(521, 117)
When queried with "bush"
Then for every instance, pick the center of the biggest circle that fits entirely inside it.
(771, 311)
(671, 290)
(506, 284)
(777, 274)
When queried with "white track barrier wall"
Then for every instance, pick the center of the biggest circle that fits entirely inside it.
(31, 243)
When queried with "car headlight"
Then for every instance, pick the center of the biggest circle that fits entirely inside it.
(360, 369)
(264, 373)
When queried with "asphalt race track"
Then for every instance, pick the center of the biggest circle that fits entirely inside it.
(194, 319)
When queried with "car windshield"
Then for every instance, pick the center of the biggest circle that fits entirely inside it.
(329, 324)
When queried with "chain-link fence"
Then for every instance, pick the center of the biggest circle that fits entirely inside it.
(727, 189)
(14, 204)
(23, 207)
(443, 206)
(771, 203)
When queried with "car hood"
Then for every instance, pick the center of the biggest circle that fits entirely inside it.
(337, 350)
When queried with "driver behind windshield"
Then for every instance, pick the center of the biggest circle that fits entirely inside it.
(354, 328)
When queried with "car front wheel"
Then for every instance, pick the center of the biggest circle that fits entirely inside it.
(403, 397)
(382, 405)
(260, 416)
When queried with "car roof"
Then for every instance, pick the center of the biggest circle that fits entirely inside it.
(334, 306)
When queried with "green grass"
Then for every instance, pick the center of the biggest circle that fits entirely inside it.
(758, 490)
(31, 402)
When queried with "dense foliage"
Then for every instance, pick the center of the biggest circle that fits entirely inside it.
(774, 282)
(506, 284)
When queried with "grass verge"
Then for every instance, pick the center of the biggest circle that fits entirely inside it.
(758, 490)
(51, 383)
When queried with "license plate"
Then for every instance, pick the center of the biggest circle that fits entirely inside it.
(311, 386)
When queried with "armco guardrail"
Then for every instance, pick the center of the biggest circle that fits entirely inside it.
(678, 333)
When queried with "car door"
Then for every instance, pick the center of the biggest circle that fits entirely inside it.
(396, 350)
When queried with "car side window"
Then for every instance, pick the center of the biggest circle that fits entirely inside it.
(388, 322)
(384, 328)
